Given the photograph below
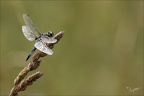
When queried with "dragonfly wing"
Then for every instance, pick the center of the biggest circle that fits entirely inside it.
(48, 40)
(43, 47)
(32, 27)
(28, 33)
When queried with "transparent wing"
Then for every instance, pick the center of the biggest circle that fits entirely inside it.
(43, 47)
(32, 27)
(128, 88)
(136, 89)
(28, 33)
(48, 40)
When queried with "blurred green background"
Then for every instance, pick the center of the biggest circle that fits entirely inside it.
(101, 52)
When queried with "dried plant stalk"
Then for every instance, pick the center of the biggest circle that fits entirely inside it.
(24, 72)
(19, 83)
(25, 83)
(29, 81)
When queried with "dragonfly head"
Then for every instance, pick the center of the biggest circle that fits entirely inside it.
(50, 33)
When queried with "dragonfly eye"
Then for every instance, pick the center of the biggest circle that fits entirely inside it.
(50, 34)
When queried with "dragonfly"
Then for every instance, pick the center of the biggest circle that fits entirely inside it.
(31, 32)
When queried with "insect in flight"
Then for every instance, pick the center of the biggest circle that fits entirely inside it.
(31, 32)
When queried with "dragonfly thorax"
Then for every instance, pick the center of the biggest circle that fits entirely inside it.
(50, 33)
(38, 37)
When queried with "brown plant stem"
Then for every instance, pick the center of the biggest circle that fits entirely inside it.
(20, 84)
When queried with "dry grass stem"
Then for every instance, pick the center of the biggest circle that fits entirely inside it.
(29, 81)
(24, 72)
(25, 83)
(20, 84)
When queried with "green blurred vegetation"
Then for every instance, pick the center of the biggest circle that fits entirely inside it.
(101, 52)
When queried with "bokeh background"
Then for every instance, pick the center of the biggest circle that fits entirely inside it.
(101, 52)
